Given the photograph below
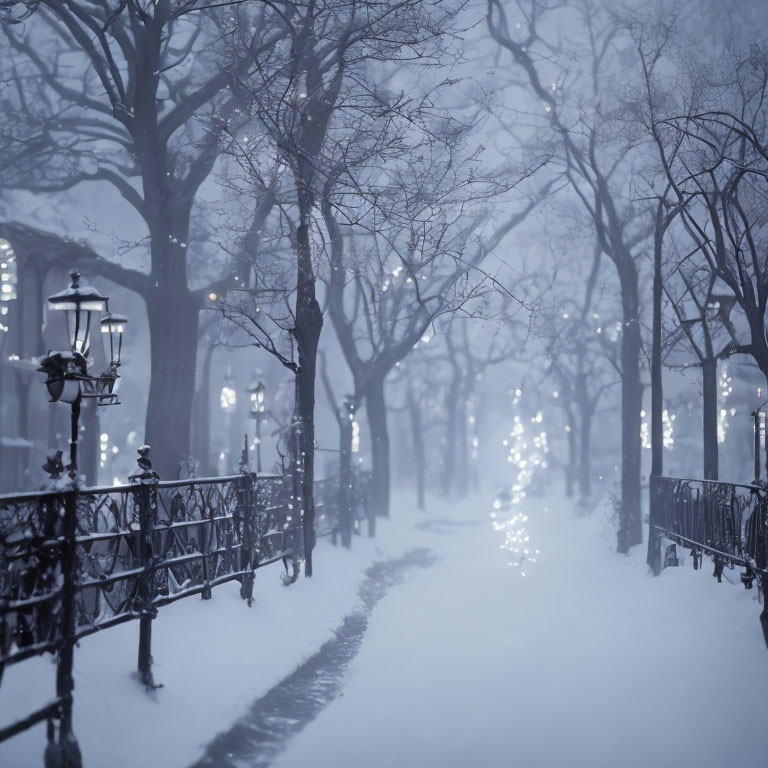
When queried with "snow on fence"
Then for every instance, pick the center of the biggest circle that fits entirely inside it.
(725, 521)
(75, 562)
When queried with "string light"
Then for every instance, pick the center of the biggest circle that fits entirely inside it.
(103, 446)
(667, 427)
(724, 388)
(527, 455)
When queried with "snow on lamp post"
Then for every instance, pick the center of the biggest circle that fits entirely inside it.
(256, 395)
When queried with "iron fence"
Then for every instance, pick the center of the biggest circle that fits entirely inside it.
(726, 522)
(330, 505)
(75, 562)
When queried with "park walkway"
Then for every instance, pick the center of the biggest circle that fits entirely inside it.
(584, 661)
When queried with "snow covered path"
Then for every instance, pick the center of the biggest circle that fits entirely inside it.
(257, 737)
(587, 661)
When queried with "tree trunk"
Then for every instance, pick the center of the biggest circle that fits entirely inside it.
(173, 319)
(419, 457)
(570, 469)
(345, 476)
(451, 415)
(462, 445)
(585, 450)
(203, 408)
(376, 409)
(308, 325)
(709, 390)
(653, 556)
(630, 530)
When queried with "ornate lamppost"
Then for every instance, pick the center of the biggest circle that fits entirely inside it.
(67, 379)
(65, 373)
(256, 394)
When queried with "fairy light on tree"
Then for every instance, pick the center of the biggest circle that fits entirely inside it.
(668, 430)
(103, 448)
(645, 433)
(724, 390)
(527, 449)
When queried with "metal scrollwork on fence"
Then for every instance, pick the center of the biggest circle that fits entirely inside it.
(31, 538)
(74, 561)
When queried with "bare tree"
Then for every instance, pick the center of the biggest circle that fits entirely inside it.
(413, 259)
(719, 175)
(579, 339)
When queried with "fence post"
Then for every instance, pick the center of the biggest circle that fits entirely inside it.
(756, 415)
(145, 504)
(66, 753)
(246, 498)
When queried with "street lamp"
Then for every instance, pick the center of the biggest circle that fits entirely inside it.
(228, 396)
(256, 394)
(65, 374)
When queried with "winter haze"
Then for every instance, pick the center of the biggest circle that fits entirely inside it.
(384, 383)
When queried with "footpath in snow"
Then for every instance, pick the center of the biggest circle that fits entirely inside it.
(459, 660)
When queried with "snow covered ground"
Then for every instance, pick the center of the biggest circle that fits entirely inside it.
(214, 658)
(584, 661)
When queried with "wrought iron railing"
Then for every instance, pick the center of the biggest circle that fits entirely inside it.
(77, 562)
(329, 516)
(724, 521)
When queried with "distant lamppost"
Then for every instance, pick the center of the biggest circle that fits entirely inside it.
(256, 393)
(65, 373)
(228, 394)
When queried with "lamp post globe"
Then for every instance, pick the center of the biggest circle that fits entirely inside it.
(112, 330)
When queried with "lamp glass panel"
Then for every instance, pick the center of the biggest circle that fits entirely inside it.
(79, 327)
(112, 333)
